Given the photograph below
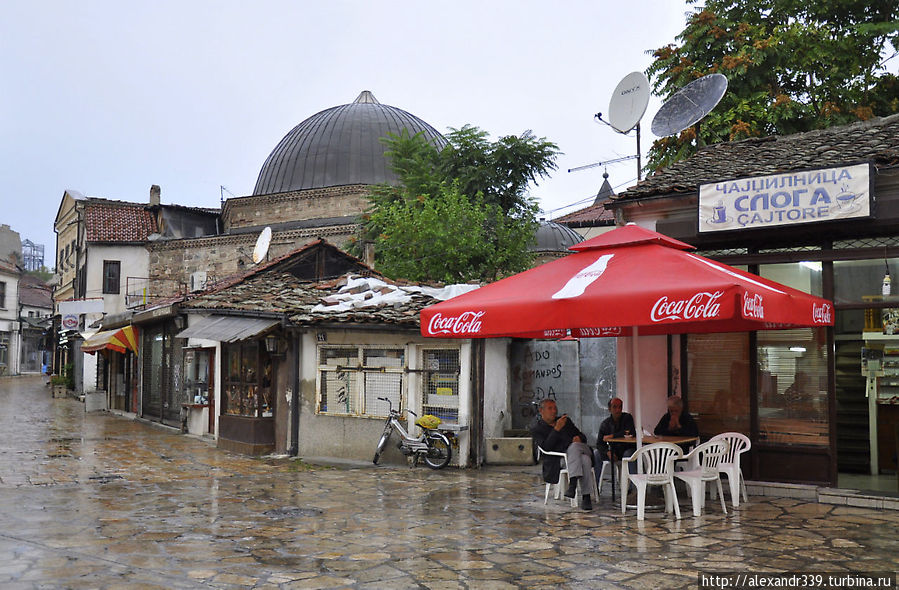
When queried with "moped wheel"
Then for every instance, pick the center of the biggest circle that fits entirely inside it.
(381, 444)
(439, 450)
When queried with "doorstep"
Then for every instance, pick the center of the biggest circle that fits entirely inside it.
(824, 495)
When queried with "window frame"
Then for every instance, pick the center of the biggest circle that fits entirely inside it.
(355, 377)
(2, 294)
(108, 280)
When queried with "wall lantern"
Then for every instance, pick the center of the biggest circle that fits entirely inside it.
(273, 345)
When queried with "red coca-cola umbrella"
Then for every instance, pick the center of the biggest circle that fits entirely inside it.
(629, 281)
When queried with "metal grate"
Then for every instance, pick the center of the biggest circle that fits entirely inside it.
(793, 249)
(723, 252)
(866, 243)
(352, 378)
(440, 385)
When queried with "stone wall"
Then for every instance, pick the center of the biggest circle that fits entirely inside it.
(261, 210)
(173, 261)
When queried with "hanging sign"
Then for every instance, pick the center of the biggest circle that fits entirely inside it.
(809, 196)
(79, 306)
(70, 322)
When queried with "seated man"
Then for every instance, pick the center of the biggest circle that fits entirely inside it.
(676, 422)
(552, 432)
(618, 424)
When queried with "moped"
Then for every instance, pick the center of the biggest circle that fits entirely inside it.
(431, 444)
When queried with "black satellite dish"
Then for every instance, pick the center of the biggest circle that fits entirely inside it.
(689, 105)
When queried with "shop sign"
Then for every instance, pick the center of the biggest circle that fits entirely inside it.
(70, 322)
(809, 196)
(80, 306)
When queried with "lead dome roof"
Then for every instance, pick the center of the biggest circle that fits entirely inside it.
(339, 146)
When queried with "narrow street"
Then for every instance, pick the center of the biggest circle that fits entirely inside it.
(101, 501)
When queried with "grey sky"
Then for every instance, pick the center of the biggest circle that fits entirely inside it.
(109, 97)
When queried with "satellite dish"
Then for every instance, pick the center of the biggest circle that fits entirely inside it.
(262, 244)
(689, 104)
(629, 101)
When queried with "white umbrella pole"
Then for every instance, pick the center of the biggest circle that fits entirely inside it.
(638, 413)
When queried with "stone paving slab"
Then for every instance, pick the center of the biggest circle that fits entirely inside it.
(99, 501)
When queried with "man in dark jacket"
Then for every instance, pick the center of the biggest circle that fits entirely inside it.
(676, 422)
(618, 424)
(552, 432)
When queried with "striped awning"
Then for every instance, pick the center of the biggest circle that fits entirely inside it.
(120, 340)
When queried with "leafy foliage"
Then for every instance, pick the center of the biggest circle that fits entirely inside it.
(460, 213)
(792, 66)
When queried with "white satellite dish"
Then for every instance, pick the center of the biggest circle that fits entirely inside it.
(262, 244)
(629, 101)
(689, 105)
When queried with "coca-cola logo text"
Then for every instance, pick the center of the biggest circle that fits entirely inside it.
(821, 314)
(701, 306)
(753, 306)
(468, 322)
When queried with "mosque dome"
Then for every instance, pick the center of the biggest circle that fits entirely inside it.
(339, 146)
(554, 237)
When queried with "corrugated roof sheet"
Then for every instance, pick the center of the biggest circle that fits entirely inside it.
(106, 222)
(226, 328)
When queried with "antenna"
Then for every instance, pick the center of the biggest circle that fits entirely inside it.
(689, 105)
(262, 244)
(595, 164)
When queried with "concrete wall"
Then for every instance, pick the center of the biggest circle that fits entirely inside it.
(651, 366)
(133, 263)
(497, 384)
(257, 211)
(356, 437)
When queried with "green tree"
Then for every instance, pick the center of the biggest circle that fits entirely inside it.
(460, 212)
(792, 66)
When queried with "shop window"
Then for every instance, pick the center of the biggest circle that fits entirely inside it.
(440, 386)
(792, 387)
(804, 276)
(352, 378)
(248, 382)
(718, 382)
(111, 273)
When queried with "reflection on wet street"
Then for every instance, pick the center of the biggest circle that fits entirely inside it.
(101, 501)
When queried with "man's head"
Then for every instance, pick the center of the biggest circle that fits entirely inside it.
(548, 411)
(675, 406)
(616, 407)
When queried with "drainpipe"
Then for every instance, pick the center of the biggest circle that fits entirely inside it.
(295, 397)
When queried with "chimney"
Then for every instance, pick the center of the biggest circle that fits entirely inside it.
(155, 195)
(368, 254)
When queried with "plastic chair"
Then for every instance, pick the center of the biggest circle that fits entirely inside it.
(606, 472)
(703, 462)
(730, 465)
(563, 478)
(657, 461)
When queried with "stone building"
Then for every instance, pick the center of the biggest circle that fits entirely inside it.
(312, 185)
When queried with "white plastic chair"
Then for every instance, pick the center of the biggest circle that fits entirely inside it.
(657, 461)
(605, 473)
(730, 465)
(702, 467)
(563, 478)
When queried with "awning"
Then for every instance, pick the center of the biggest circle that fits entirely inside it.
(226, 328)
(120, 340)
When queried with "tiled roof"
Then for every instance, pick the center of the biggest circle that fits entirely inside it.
(283, 293)
(35, 295)
(876, 140)
(106, 222)
(595, 214)
(8, 267)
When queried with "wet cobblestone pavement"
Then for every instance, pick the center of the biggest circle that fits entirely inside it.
(101, 501)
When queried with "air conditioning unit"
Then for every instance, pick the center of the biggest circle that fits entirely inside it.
(197, 281)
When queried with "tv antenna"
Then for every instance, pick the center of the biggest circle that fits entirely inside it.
(627, 106)
(689, 105)
(262, 243)
(595, 164)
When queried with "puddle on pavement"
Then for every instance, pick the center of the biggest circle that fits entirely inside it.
(292, 511)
